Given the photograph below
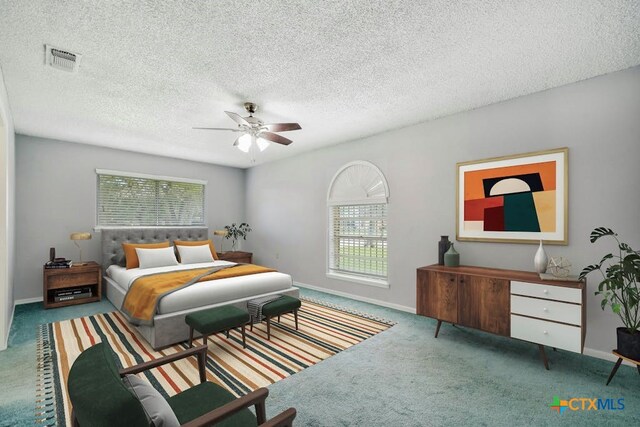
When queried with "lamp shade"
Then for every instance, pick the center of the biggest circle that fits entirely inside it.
(220, 233)
(80, 236)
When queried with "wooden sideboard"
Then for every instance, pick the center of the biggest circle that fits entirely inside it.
(516, 304)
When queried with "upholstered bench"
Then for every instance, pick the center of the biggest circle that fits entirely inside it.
(215, 320)
(284, 304)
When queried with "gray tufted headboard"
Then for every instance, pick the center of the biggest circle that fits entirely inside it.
(113, 238)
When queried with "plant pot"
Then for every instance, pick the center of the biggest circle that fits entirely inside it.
(628, 344)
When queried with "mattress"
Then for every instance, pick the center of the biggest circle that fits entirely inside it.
(204, 293)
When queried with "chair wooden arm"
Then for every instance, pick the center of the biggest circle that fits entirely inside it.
(200, 351)
(256, 397)
(283, 419)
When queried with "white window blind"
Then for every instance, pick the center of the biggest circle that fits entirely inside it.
(146, 201)
(358, 239)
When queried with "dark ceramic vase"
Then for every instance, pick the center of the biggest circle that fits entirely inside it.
(443, 247)
(628, 344)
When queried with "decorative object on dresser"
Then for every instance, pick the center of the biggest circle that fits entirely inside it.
(559, 267)
(620, 289)
(443, 247)
(516, 304)
(517, 199)
(79, 236)
(69, 286)
(452, 257)
(235, 232)
(541, 261)
(236, 256)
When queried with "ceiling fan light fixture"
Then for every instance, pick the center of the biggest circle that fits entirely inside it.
(262, 143)
(244, 143)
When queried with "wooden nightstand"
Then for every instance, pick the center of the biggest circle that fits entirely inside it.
(67, 279)
(236, 256)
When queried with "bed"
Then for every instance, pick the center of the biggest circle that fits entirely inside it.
(169, 326)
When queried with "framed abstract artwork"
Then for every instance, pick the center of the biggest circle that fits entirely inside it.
(516, 199)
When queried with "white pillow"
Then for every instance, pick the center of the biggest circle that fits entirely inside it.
(162, 257)
(195, 254)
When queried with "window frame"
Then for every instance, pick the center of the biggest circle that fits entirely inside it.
(333, 201)
(150, 177)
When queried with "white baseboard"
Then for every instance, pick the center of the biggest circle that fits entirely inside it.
(604, 355)
(358, 298)
(28, 301)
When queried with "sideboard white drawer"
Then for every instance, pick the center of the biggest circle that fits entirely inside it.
(546, 333)
(545, 309)
(559, 293)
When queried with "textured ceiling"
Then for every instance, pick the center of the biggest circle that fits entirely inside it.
(343, 69)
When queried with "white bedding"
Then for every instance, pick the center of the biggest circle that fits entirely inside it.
(204, 293)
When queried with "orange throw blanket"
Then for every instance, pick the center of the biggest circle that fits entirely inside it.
(144, 294)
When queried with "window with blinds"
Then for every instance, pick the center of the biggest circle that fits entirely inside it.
(358, 240)
(135, 200)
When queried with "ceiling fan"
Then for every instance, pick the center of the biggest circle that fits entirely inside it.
(255, 131)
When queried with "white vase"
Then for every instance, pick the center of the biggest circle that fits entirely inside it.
(541, 261)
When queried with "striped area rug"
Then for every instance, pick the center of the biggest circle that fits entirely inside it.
(324, 330)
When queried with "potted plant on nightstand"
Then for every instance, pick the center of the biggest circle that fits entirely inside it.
(619, 289)
(235, 232)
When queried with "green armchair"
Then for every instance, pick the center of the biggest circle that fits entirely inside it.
(100, 396)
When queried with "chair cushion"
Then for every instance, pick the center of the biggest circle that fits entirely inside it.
(217, 319)
(157, 408)
(284, 304)
(205, 397)
(98, 395)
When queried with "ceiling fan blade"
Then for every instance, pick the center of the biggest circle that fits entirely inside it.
(281, 127)
(237, 118)
(229, 129)
(273, 137)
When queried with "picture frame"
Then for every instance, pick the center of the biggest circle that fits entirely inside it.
(521, 198)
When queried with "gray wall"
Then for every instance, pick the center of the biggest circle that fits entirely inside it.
(598, 119)
(56, 195)
(7, 223)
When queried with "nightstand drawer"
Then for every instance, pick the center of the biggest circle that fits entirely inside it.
(559, 293)
(237, 256)
(78, 279)
(547, 333)
(545, 309)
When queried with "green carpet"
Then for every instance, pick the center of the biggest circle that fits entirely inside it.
(401, 377)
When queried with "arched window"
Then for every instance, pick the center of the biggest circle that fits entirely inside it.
(357, 203)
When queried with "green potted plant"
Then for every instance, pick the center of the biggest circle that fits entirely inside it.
(235, 232)
(619, 289)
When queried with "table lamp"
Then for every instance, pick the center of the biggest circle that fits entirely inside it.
(79, 236)
(223, 234)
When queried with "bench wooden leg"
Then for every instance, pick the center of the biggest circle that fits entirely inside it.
(268, 327)
(190, 336)
(204, 339)
(244, 340)
(278, 318)
(295, 316)
(251, 323)
(227, 333)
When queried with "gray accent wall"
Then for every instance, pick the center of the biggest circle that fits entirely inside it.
(56, 195)
(598, 119)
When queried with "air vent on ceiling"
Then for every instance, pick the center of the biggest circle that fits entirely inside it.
(62, 59)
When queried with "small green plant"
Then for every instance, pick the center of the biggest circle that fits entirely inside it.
(621, 278)
(235, 232)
